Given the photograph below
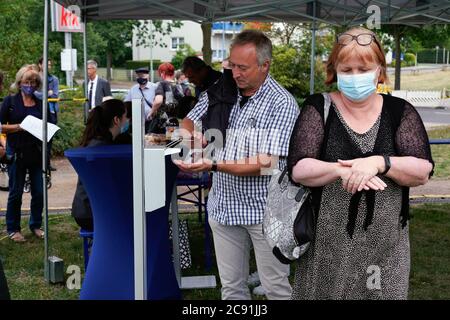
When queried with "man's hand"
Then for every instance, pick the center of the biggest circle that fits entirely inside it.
(200, 166)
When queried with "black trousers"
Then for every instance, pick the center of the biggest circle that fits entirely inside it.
(85, 223)
(4, 291)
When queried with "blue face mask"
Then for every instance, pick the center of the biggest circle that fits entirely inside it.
(357, 87)
(125, 127)
(28, 90)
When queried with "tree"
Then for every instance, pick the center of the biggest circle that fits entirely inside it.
(206, 49)
(285, 32)
(151, 32)
(117, 35)
(182, 53)
(19, 44)
(261, 26)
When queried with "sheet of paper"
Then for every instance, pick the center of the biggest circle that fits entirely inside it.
(33, 125)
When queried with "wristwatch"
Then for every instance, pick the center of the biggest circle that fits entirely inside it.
(387, 164)
(214, 165)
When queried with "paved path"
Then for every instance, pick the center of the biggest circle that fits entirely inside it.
(64, 181)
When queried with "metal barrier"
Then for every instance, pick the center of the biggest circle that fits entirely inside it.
(439, 141)
(423, 98)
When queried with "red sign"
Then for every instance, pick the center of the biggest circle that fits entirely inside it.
(66, 19)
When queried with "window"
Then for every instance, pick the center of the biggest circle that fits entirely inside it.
(219, 54)
(176, 42)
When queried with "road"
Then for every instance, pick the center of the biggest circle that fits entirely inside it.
(434, 117)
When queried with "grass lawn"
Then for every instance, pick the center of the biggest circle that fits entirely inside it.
(441, 153)
(423, 80)
(23, 263)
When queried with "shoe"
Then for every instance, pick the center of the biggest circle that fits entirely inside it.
(16, 237)
(39, 233)
(253, 279)
(51, 168)
(259, 291)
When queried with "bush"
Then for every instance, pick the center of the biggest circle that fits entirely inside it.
(291, 68)
(404, 64)
(410, 59)
(71, 122)
(182, 53)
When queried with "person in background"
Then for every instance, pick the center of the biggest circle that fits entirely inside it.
(199, 73)
(167, 95)
(27, 152)
(359, 165)
(53, 92)
(183, 83)
(126, 137)
(145, 91)
(4, 291)
(98, 88)
(105, 122)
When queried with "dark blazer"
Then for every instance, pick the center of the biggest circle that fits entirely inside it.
(103, 90)
(81, 206)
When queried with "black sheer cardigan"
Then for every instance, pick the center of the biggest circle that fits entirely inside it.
(310, 136)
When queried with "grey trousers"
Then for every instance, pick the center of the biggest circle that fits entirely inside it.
(232, 247)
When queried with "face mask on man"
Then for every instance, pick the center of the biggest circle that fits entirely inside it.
(27, 89)
(357, 87)
(142, 81)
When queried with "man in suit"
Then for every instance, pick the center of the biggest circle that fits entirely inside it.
(98, 88)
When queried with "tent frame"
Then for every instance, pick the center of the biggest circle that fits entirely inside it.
(345, 13)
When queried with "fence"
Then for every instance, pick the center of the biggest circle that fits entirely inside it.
(433, 56)
(424, 98)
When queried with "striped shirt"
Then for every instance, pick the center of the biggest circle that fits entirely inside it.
(263, 125)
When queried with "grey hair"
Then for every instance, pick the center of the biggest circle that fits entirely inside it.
(261, 42)
(92, 63)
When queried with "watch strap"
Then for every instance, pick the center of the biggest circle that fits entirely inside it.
(387, 164)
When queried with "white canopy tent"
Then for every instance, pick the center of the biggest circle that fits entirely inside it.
(333, 12)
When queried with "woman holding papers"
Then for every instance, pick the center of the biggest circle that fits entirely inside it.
(26, 151)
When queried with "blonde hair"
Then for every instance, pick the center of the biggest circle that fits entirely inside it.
(372, 53)
(28, 72)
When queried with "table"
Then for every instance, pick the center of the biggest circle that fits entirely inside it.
(106, 173)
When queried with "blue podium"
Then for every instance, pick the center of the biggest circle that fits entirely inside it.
(107, 175)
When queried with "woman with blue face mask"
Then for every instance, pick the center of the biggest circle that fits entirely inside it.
(359, 152)
(26, 151)
(105, 123)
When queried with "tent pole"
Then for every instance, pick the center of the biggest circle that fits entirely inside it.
(313, 50)
(152, 75)
(86, 105)
(44, 140)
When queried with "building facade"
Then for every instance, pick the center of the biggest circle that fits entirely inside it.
(189, 33)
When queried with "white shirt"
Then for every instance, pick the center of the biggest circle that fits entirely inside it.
(94, 89)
